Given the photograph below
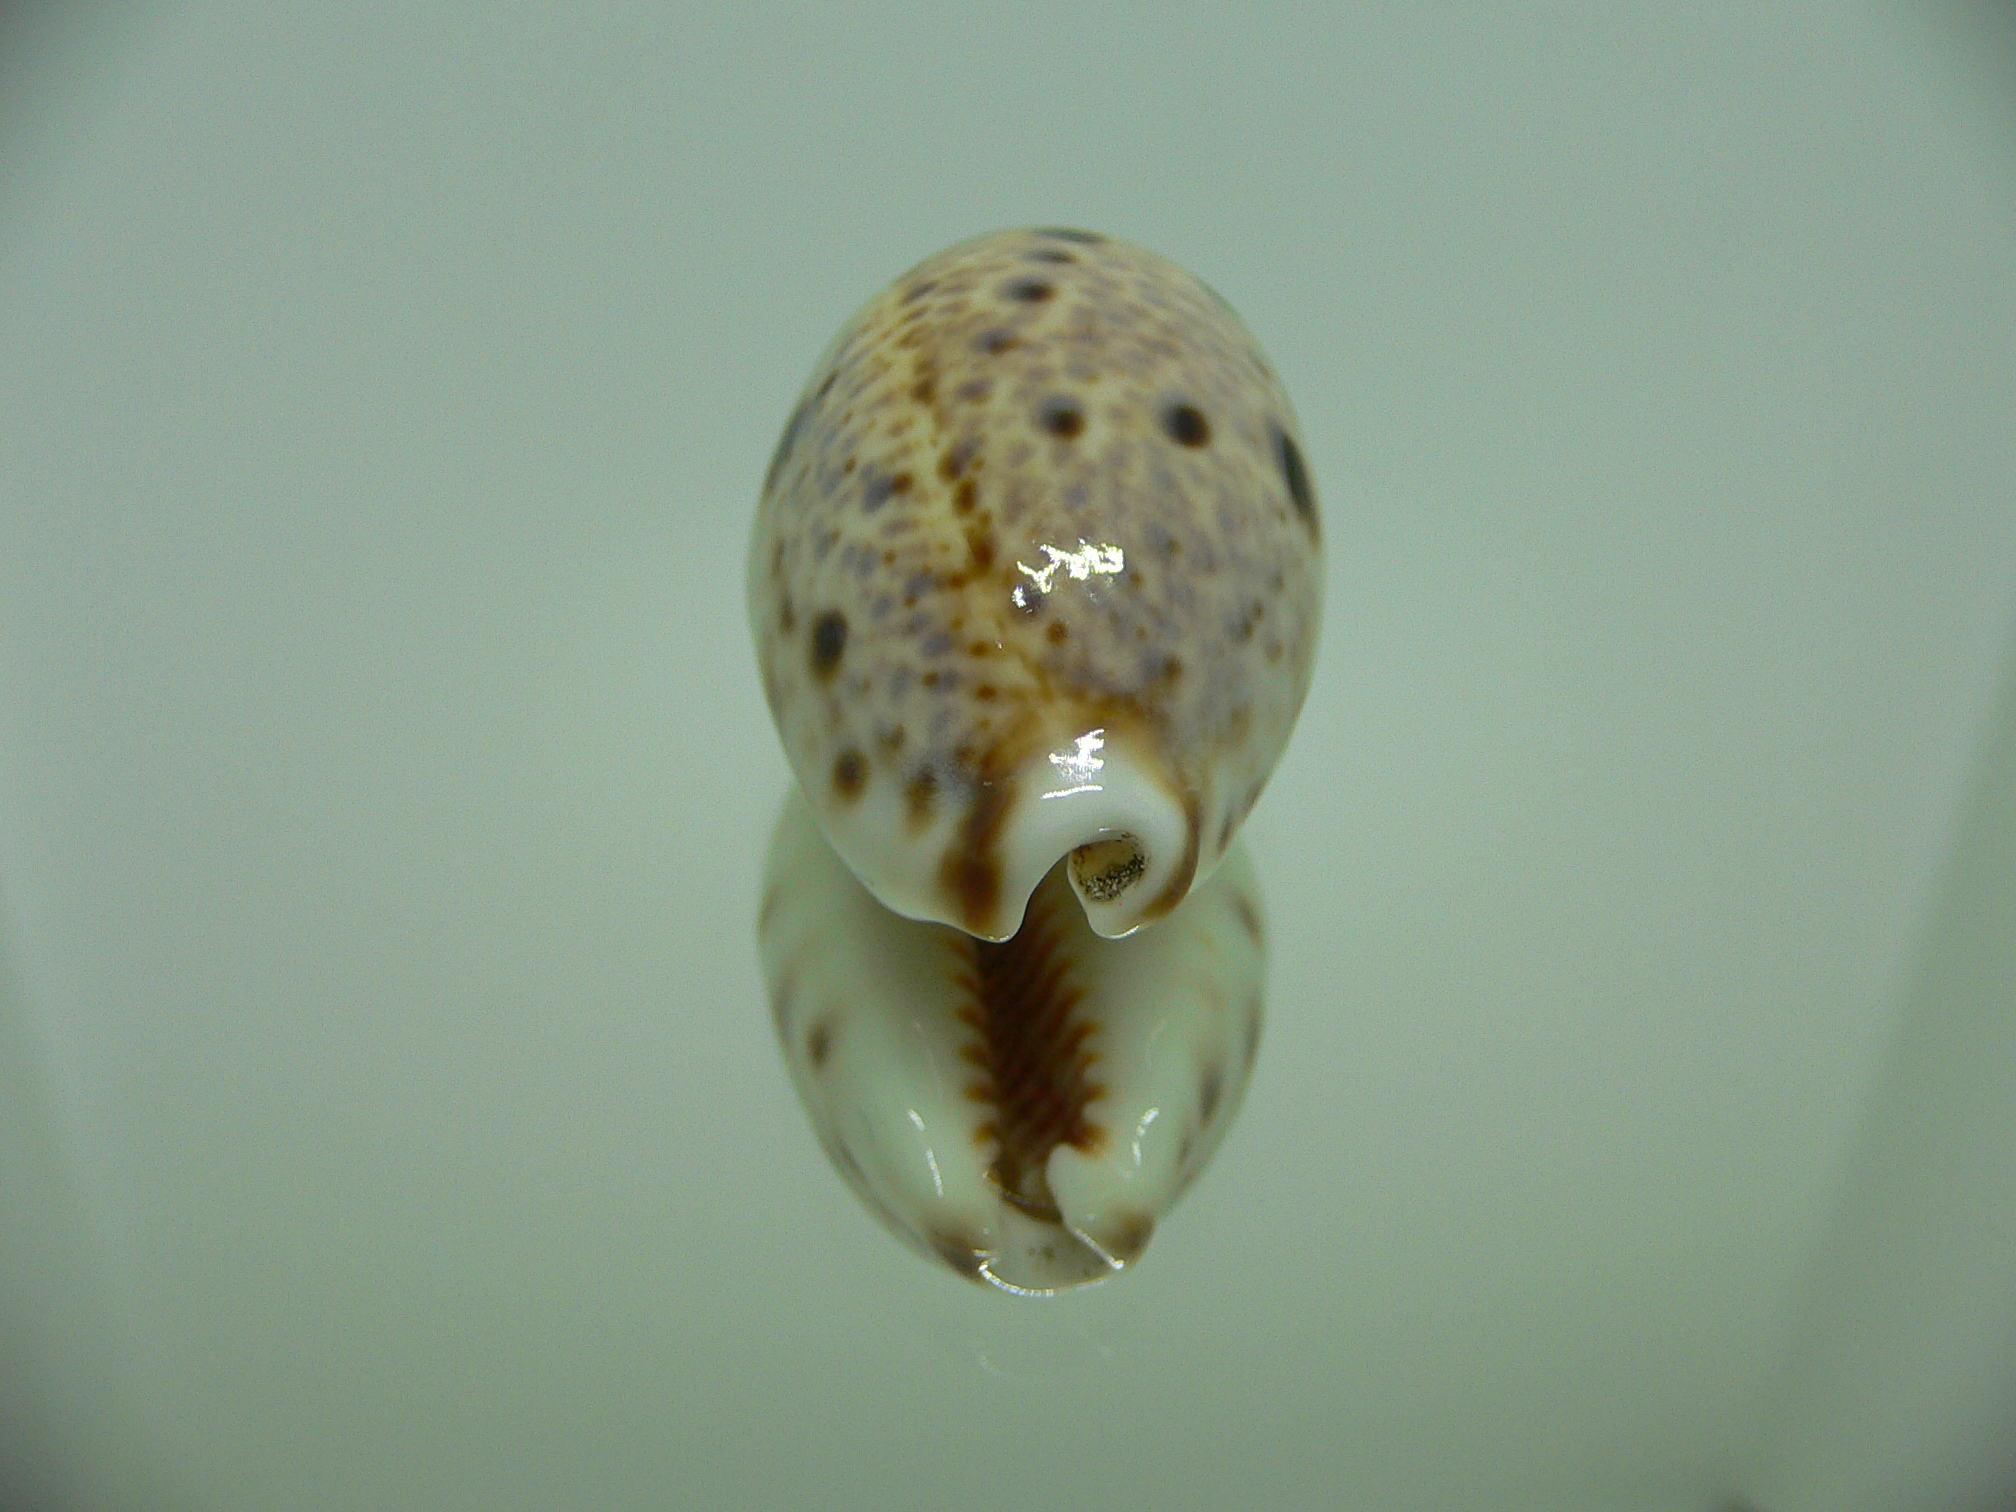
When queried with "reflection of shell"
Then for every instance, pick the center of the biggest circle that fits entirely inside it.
(1025, 1111)
(1037, 571)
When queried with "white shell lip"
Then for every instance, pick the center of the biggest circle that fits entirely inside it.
(912, 1049)
(1132, 842)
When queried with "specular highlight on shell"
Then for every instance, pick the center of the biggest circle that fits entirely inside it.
(1036, 573)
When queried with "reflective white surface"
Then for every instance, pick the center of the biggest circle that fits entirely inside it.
(391, 1115)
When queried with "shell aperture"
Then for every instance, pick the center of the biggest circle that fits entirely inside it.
(1024, 1112)
(1036, 574)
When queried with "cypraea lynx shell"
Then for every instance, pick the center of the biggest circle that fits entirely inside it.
(1036, 573)
(1024, 1111)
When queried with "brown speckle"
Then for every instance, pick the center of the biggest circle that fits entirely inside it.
(956, 459)
(1062, 418)
(1064, 233)
(818, 1044)
(1210, 1087)
(995, 342)
(1057, 633)
(1027, 290)
(850, 773)
(829, 641)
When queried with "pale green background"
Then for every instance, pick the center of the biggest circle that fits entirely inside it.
(389, 1116)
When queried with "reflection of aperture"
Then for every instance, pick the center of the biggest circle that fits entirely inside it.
(1024, 1111)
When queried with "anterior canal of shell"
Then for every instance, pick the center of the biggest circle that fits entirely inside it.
(1025, 1111)
(1037, 571)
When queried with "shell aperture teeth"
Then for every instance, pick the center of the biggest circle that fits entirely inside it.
(1025, 1112)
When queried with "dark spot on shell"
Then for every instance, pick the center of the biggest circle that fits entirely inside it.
(1057, 633)
(964, 496)
(1064, 233)
(919, 793)
(818, 1043)
(1062, 418)
(918, 290)
(956, 459)
(1028, 290)
(1051, 255)
(1296, 475)
(1210, 1087)
(876, 487)
(829, 640)
(850, 772)
(994, 342)
(979, 547)
(1186, 425)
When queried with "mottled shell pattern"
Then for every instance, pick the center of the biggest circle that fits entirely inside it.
(1037, 572)
(1025, 1112)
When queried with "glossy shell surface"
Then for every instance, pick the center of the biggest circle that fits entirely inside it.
(1037, 572)
(1024, 1112)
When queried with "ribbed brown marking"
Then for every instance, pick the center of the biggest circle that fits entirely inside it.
(1029, 1047)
